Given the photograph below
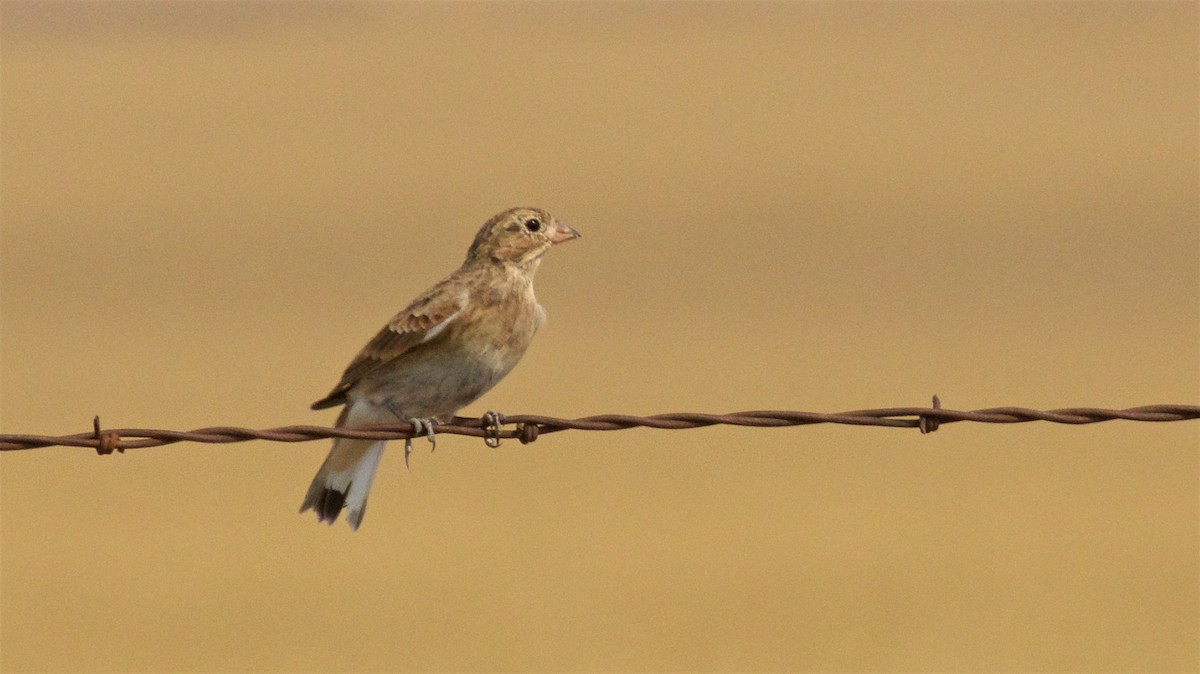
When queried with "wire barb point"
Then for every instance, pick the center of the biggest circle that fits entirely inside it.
(929, 424)
(527, 433)
(106, 441)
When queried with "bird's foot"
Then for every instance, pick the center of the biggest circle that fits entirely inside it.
(493, 422)
(420, 426)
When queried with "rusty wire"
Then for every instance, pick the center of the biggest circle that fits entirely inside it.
(527, 427)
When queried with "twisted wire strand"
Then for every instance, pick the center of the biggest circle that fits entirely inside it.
(527, 427)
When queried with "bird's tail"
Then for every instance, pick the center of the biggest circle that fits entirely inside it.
(344, 480)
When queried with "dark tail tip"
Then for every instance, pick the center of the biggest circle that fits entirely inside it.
(327, 503)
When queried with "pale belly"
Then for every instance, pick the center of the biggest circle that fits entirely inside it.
(435, 382)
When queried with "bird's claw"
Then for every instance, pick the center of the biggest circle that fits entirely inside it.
(420, 426)
(493, 422)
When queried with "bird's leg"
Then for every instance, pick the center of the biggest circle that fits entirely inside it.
(420, 426)
(492, 423)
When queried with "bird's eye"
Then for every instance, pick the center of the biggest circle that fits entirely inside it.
(533, 225)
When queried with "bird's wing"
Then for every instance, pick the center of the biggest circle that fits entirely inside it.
(419, 322)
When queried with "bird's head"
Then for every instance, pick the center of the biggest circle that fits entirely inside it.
(519, 236)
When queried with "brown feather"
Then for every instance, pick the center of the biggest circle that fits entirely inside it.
(406, 330)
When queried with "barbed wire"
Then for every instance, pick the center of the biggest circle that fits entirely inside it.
(527, 427)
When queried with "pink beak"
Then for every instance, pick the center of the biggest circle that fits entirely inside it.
(560, 232)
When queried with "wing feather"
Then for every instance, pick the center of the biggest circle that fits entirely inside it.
(421, 321)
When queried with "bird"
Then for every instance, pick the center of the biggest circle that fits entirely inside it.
(448, 347)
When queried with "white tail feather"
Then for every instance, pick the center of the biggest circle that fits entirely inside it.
(344, 480)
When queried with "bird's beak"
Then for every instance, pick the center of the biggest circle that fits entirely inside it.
(560, 232)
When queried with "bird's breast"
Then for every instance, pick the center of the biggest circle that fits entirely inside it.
(503, 328)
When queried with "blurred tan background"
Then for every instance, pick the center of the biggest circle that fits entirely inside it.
(208, 208)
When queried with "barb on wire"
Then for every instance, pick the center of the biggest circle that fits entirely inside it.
(527, 427)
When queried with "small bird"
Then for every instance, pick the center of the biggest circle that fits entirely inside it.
(445, 349)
